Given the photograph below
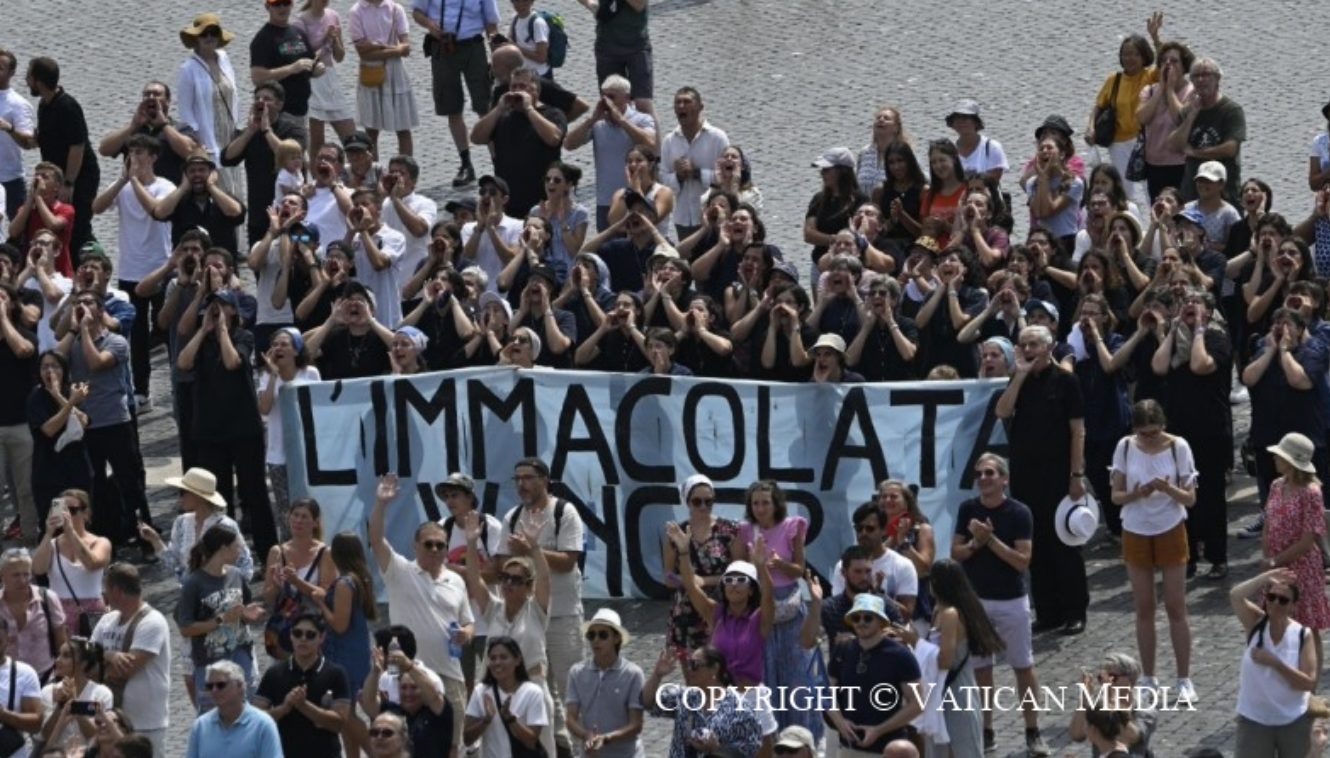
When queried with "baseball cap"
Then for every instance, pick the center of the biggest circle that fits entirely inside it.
(456, 481)
(796, 737)
(1192, 214)
(546, 273)
(466, 203)
(494, 181)
(357, 141)
(836, 156)
(1213, 171)
(225, 297)
(1048, 308)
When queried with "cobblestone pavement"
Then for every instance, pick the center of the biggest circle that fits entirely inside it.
(787, 80)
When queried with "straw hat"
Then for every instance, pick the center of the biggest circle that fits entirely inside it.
(199, 482)
(202, 22)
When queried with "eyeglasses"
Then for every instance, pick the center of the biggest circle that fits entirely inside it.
(216, 686)
(986, 473)
(514, 580)
(437, 546)
(598, 634)
(698, 502)
(1275, 597)
(732, 580)
(865, 527)
(382, 733)
(304, 634)
(862, 618)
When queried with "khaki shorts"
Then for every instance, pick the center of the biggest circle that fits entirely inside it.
(1156, 551)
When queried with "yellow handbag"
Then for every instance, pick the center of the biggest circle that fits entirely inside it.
(372, 75)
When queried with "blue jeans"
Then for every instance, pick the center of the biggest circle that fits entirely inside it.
(242, 657)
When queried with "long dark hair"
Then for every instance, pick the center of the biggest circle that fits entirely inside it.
(509, 644)
(217, 537)
(948, 148)
(912, 167)
(348, 555)
(952, 587)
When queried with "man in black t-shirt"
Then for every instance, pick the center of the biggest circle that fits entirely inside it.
(351, 344)
(62, 135)
(526, 136)
(308, 695)
(508, 58)
(1046, 430)
(864, 664)
(992, 541)
(280, 52)
(152, 117)
(199, 202)
(250, 146)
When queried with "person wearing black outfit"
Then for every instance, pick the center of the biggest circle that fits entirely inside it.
(856, 570)
(62, 135)
(526, 137)
(444, 318)
(618, 343)
(152, 116)
(556, 328)
(352, 343)
(228, 428)
(199, 202)
(308, 725)
(51, 405)
(1045, 416)
(886, 345)
(281, 52)
(1196, 358)
(18, 367)
(268, 124)
(872, 659)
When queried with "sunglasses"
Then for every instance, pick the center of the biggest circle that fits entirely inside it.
(382, 733)
(786, 750)
(698, 502)
(598, 634)
(733, 580)
(515, 580)
(1274, 597)
(304, 634)
(77, 509)
(212, 31)
(216, 686)
(863, 618)
(437, 546)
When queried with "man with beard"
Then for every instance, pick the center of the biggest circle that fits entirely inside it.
(895, 578)
(200, 202)
(62, 135)
(688, 157)
(855, 577)
(152, 116)
(268, 124)
(1045, 416)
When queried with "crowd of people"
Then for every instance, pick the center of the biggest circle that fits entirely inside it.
(1149, 278)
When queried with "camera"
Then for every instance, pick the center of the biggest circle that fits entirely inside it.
(83, 708)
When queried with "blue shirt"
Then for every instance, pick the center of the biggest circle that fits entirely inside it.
(475, 15)
(254, 733)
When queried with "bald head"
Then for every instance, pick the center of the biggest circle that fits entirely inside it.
(900, 749)
(505, 60)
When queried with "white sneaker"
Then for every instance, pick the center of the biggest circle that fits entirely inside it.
(143, 403)
(1254, 529)
(1186, 690)
(1148, 683)
(1238, 395)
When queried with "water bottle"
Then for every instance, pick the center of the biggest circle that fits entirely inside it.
(454, 647)
(393, 647)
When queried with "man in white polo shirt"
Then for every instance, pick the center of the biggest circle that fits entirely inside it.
(426, 597)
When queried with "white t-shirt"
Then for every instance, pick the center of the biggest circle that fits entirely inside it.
(276, 455)
(26, 685)
(527, 703)
(147, 693)
(528, 627)
(417, 248)
(45, 336)
(427, 606)
(988, 155)
(385, 284)
(489, 546)
(527, 34)
(1156, 513)
(324, 213)
(15, 109)
(145, 243)
(565, 587)
(900, 579)
(1320, 150)
(266, 283)
(761, 708)
(510, 231)
(92, 691)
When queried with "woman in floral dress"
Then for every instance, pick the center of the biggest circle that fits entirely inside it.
(1294, 522)
(709, 550)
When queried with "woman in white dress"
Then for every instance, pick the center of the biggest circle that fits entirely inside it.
(384, 100)
(327, 101)
(206, 93)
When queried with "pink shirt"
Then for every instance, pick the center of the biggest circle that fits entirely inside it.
(317, 29)
(382, 23)
(32, 645)
(1157, 152)
(780, 542)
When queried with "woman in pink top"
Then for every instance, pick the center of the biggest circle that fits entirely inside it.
(743, 619)
(326, 103)
(1159, 114)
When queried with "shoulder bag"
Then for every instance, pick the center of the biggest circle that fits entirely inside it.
(1106, 118)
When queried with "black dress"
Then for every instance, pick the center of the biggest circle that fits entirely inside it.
(53, 472)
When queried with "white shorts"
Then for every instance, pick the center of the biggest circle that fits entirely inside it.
(327, 102)
(1011, 619)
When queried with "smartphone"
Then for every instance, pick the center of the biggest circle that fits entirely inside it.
(83, 708)
(58, 507)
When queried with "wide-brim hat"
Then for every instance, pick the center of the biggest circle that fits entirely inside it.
(966, 107)
(831, 341)
(200, 482)
(1076, 520)
(608, 617)
(1297, 450)
(202, 22)
(867, 602)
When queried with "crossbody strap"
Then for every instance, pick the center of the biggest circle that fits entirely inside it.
(13, 678)
(59, 564)
(128, 639)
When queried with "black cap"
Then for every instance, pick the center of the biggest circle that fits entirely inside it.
(546, 273)
(466, 203)
(494, 181)
(1056, 123)
(357, 141)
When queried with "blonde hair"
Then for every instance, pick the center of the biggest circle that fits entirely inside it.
(286, 150)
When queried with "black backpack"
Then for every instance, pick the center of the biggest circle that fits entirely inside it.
(559, 505)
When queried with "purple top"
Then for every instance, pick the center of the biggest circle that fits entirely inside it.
(740, 640)
(780, 543)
